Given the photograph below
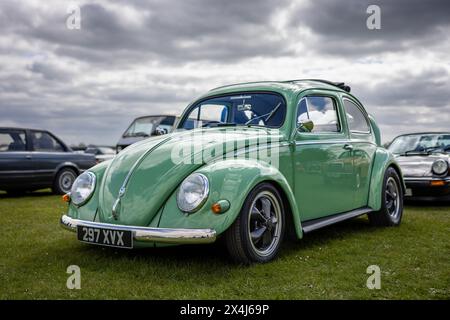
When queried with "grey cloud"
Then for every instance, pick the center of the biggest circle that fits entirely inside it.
(49, 71)
(340, 27)
(428, 88)
(172, 30)
(51, 78)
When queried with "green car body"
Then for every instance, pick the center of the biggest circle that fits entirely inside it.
(318, 175)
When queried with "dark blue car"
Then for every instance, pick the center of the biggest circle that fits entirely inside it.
(35, 159)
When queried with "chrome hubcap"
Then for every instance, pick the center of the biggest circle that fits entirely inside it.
(66, 180)
(265, 223)
(392, 197)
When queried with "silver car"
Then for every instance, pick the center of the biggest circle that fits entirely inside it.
(144, 127)
(425, 161)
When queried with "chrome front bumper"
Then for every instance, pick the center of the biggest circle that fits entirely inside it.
(147, 234)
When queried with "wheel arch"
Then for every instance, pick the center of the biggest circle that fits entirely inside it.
(246, 175)
(69, 165)
(382, 161)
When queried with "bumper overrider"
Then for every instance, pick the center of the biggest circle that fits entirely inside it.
(148, 234)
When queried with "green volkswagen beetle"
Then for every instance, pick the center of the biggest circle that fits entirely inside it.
(249, 164)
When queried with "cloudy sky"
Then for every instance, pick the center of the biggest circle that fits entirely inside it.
(132, 58)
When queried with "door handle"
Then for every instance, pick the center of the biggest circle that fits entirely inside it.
(348, 147)
(28, 157)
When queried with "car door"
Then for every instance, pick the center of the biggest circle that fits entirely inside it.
(48, 153)
(323, 159)
(364, 148)
(16, 169)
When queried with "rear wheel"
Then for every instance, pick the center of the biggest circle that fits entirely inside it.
(391, 210)
(257, 233)
(64, 180)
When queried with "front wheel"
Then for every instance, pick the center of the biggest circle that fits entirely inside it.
(64, 180)
(391, 210)
(257, 233)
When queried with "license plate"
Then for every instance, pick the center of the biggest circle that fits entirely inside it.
(408, 192)
(105, 237)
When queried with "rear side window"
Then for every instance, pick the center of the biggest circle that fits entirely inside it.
(357, 121)
(13, 141)
(321, 111)
(42, 141)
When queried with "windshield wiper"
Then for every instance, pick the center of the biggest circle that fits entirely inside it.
(267, 115)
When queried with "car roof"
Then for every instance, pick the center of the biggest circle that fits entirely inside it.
(156, 115)
(286, 85)
(21, 128)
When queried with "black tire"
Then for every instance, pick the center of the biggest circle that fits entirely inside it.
(267, 228)
(64, 180)
(391, 211)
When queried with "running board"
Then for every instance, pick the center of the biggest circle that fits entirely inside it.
(315, 224)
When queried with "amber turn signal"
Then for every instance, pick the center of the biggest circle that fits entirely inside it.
(220, 206)
(66, 197)
(216, 208)
(437, 183)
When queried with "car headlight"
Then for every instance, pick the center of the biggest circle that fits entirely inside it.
(439, 167)
(82, 188)
(193, 192)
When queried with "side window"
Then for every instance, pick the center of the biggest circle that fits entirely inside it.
(321, 111)
(42, 141)
(357, 121)
(13, 141)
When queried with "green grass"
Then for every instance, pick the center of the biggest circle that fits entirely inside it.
(328, 264)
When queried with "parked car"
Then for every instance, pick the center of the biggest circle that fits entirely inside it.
(327, 165)
(35, 159)
(144, 127)
(101, 153)
(425, 162)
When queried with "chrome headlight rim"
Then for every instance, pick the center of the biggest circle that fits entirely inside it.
(445, 167)
(75, 186)
(201, 201)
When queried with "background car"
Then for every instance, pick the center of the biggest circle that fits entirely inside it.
(425, 162)
(101, 153)
(35, 159)
(144, 127)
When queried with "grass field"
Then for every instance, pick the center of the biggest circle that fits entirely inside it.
(328, 264)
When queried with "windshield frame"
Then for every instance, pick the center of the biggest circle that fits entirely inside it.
(413, 152)
(194, 104)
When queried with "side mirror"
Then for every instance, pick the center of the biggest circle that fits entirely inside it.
(305, 126)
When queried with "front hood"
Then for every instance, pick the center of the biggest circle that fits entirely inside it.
(418, 166)
(149, 171)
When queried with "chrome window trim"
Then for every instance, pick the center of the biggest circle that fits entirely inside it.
(333, 141)
(364, 113)
(341, 131)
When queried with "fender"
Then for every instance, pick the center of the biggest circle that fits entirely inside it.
(382, 160)
(230, 180)
(89, 210)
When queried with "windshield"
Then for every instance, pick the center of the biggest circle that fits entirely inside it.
(248, 109)
(145, 127)
(421, 143)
